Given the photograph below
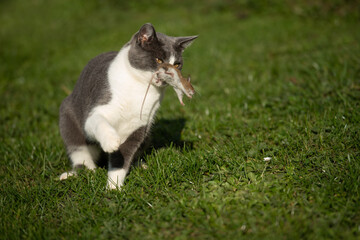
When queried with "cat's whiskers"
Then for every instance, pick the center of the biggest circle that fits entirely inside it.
(147, 90)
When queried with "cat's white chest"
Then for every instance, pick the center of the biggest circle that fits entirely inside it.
(128, 87)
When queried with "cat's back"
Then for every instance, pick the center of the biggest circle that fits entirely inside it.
(95, 72)
(92, 88)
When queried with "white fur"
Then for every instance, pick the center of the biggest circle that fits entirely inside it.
(100, 129)
(116, 178)
(172, 59)
(112, 124)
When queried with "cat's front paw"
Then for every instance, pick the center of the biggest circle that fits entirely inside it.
(111, 185)
(116, 178)
(110, 143)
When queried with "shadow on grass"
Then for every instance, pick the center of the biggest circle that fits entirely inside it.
(167, 132)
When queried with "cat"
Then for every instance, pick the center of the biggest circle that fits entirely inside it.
(101, 116)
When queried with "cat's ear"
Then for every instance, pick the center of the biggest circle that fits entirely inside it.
(184, 42)
(146, 35)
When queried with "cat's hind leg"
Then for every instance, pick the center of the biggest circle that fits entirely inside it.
(82, 157)
(85, 156)
(79, 151)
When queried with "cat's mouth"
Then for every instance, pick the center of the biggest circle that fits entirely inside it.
(161, 77)
(158, 81)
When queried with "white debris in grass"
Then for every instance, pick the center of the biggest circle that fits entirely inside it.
(243, 227)
(144, 166)
(267, 159)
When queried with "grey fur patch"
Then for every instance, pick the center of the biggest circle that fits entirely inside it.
(91, 90)
(122, 158)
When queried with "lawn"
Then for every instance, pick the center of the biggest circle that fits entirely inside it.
(275, 80)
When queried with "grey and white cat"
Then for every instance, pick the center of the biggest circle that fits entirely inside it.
(101, 115)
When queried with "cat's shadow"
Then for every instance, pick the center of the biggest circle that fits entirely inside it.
(166, 133)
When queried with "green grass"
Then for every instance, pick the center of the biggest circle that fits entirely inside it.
(277, 79)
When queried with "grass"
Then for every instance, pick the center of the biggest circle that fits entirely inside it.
(275, 79)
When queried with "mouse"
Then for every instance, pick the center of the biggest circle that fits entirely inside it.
(171, 75)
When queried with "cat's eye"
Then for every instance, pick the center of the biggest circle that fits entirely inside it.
(158, 60)
(177, 65)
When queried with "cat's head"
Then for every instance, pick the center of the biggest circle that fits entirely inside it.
(149, 49)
